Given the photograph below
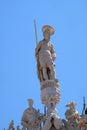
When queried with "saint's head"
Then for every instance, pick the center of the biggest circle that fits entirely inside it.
(47, 32)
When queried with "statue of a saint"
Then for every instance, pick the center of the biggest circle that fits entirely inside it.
(71, 113)
(30, 118)
(72, 116)
(45, 55)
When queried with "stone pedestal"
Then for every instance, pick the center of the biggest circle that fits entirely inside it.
(50, 92)
(50, 95)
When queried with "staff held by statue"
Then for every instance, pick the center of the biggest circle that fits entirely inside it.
(35, 28)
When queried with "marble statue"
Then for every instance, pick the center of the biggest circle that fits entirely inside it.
(31, 118)
(72, 116)
(45, 55)
(50, 92)
(71, 113)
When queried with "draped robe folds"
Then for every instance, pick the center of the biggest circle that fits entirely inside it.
(45, 55)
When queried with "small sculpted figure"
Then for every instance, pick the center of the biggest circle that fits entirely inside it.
(45, 55)
(31, 117)
(72, 116)
(71, 113)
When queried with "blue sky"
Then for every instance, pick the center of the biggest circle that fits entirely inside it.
(18, 79)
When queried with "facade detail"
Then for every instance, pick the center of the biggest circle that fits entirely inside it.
(32, 119)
